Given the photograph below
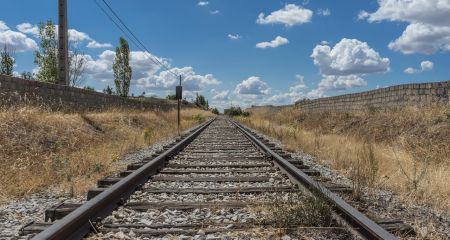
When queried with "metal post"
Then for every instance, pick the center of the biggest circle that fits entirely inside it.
(63, 49)
(179, 109)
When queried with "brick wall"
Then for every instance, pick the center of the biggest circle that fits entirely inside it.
(16, 91)
(422, 94)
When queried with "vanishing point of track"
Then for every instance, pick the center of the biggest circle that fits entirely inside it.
(219, 169)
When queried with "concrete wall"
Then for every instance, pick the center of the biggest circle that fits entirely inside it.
(423, 94)
(15, 92)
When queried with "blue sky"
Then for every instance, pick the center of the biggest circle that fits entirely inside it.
(253, 51)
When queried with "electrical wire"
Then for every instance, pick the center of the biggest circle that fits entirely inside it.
(139, 43)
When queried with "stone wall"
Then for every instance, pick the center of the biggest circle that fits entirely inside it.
(16, 91)
(422, 94)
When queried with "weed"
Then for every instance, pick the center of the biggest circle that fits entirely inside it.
(297, 209)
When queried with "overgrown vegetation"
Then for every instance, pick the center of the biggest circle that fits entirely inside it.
(297, 209)
(39, 148)
(405, 150)
(215, 111)
(236, 111)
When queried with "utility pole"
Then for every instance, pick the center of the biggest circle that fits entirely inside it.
(63, 48)
(179, 97)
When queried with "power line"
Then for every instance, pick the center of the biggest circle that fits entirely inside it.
(139, 44)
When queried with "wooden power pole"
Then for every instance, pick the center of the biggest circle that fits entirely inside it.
(63, 48)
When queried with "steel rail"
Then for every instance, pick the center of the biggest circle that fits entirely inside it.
(361, 223)
(78, 223)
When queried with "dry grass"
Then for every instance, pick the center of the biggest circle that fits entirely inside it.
(404, 150)
(40, 148)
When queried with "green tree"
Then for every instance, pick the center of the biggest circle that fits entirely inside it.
(122, 69)
(108, 90)
(89, 88)
(171, 97)
(46, 57)
(200, 100)
(27, 75)
(7, 61)
(215, 111)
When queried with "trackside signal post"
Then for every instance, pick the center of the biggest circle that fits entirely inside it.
(179, 96)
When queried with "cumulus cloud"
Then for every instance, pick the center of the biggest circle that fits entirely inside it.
(202, 3)
(290, 15)
(278, 41)
(214, 12)
(28, 28)
(3, 26)
(422, 38)
(429, 24)
(15, 40)
(349, 56)
(191, 80)
(234, 36)
(424, 66)
(222, 96)
(100, 69)
(95, 44)
(324, 12)
(344, 65)
(253, 87)
(77, 36)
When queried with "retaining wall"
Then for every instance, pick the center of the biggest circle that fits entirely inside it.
(16, 91)
(422, 94)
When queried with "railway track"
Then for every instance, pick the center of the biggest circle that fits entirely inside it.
(218, 181)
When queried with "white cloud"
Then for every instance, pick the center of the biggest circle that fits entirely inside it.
(324, 42)
(214, 12)
(95, 44)
(422, 38)
(344, 65)
(429, 24)
(191, 80)
(341, 82)
(411, 70)
(18, 41)
(252, 87)
(222, 96)
(424, 66)
(100, 69)
(202, 3)
(436, 12)
(324, 12)
(28, 28)
(290, 15)
(234, 36)
(349, 56)
(3, 26)
(77, 36)
(427, 65)
(278, 41)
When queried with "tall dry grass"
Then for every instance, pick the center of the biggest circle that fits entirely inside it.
(404, 150)
(40, 148)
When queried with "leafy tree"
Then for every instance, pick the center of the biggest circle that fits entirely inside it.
(200, 100)
(89, 88)
(27, 75)
(215, 111)
(108, 90)
(122, 69)
(47, 56)
(171, 97)
(7, 61)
